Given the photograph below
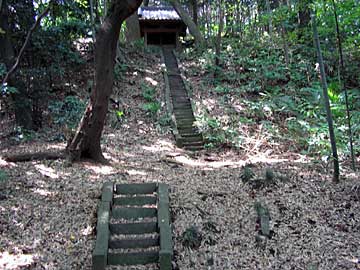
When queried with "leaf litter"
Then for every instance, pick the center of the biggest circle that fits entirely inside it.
(48, 209)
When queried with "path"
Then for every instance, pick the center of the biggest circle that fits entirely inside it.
(187, 135)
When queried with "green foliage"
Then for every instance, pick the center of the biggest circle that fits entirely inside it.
(23, 135)
(151, 108)
(2, 69)
(148, 92)
(67, 112)
(192, 237)
(3, 180)
(119, 71)
(164, 120)
(3, 176)
(247, 174)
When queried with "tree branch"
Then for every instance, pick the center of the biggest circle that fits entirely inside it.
(28, 36)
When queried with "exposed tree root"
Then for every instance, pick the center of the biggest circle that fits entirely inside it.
(23, 157)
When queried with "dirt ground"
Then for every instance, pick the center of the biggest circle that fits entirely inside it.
(48, 208)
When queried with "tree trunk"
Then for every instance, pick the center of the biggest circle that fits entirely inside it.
(195, 11)
(194, 30)
(341, 79)
(132, 28)
(92, 18)
(268, 10)
(218, 39)
(326, 103)
(303, 19)
(86, 142)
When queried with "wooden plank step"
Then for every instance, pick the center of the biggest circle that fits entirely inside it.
(186, 135)
(133, 258)
(135, 200)
(193, 139)
(134, 243)
(194, 148)
(179, 94)
(144, 188)
(191, 144)
(132, 213)
(182, 106)
(133, 228)
(185, 117)
(187, 130)
(185, 122)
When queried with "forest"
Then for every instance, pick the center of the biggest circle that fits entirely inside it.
(274, 89)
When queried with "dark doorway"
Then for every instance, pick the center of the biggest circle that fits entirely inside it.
(161, 39)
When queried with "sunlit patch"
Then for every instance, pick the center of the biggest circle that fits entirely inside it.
(15, 261)
(100, 169)
(44, 192)
(152, 81)
(59, 146)
(136, 172)
(160, 145)
(4, 163)
(87, 231)
(209, 165)
(47, 171)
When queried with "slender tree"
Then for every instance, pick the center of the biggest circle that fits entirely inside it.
(326, 102)
(86, 142)
(341, 79)
(218, 38)
(92, 18)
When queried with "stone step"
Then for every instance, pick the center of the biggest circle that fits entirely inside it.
(135, 200)
(132, 213)
(133, 258)
(134, 243)
(144, 188)
(133, 228)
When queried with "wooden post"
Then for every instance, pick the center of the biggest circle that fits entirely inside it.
(166, 250)
(100, 254)
(177, 43)
(146, 39)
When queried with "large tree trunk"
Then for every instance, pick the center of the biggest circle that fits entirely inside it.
(86, 142)
(194, 30)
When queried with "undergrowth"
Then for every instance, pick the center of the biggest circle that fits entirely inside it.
(257, 89)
